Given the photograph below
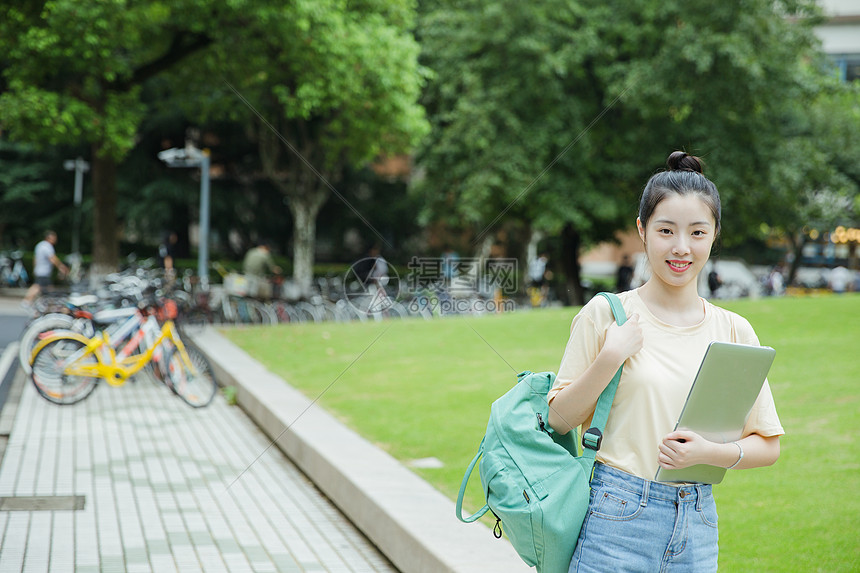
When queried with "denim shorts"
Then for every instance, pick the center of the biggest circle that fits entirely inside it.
(644, 526)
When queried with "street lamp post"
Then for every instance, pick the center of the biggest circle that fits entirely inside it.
(79, 166)
(190, 156)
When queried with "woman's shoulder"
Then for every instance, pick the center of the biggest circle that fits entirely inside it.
(741, 329)
(599, 311)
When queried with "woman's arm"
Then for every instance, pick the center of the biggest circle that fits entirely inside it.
(681, 449)
(575, 402)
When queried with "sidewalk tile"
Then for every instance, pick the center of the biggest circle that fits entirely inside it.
(167, 488)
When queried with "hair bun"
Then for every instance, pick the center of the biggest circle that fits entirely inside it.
(681, 161)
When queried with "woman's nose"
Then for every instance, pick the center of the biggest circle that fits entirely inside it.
(681, 247)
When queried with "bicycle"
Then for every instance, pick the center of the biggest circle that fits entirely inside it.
(67, 366)
(12, 271)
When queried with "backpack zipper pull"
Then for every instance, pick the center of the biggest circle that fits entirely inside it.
(541, 424)
(497, 529)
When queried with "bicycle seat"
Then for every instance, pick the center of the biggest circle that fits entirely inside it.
(111, 315)
(82, 299)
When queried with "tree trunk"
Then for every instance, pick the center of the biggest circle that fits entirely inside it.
(305, 207)
(798, 240)
(105, 235)
(570, 244)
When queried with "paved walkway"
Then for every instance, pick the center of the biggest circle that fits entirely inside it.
(166, 488)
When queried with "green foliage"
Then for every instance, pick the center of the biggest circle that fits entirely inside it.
(72, 71)
(229, 393)
(424, 388)
(35, 195)
(820, 176)
(22, 175)
(322, 87)
(339, 80)
(559, 111)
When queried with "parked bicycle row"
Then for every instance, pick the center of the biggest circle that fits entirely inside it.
(234, 302)
(12, 270)
(67, 354)
(333, 299)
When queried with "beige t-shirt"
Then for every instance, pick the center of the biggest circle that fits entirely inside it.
(656, 380)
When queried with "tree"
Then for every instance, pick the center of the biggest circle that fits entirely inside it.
(556, 113)
(816, 185)
(23, 178)
(323, 86)
(72, 74)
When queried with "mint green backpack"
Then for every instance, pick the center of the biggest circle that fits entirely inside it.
(535, 480)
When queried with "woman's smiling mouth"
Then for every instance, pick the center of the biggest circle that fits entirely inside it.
(679, 266)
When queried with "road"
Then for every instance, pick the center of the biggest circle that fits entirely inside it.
(12, 319)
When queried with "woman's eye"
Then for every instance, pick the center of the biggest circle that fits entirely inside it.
(665, 231)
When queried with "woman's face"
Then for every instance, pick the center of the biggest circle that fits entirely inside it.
(678, 238)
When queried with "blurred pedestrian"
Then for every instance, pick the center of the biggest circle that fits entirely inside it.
(776, 281)
(44, 260)
(840, 279)
(539, 279)
(624, 275)
(714, 281)
(378, 274)
(450, 263)
(259, 267)
(537, 270)
(167, 253)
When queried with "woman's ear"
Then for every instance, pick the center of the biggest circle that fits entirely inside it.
(641, 229)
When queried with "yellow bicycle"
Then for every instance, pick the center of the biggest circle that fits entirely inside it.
(67, 366)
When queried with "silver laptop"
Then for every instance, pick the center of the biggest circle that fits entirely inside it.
(724, 391)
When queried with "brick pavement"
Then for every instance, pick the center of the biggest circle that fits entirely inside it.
(167, 488)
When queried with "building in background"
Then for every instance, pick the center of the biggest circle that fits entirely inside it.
(840, 36)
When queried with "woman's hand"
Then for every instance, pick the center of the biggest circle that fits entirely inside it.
(623, 341)
(682, 449)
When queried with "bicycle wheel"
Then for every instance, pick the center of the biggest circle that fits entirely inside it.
(195, 319)
(284, 312)
(196, 386)
(49, 371)
(267, 311)
(34, 332)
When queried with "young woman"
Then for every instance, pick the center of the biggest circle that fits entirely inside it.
(634, 523)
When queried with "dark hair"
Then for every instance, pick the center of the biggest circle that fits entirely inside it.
(684, 177)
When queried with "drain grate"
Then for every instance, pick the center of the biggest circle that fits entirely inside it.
(42, 503)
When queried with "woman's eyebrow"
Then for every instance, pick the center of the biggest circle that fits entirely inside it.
(693, 224)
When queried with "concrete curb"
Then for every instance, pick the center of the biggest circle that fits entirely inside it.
(409, 520)
(8, 368)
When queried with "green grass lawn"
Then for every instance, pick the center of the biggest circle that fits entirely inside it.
(423, 389)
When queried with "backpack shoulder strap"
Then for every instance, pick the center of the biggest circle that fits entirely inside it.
(592, 438)
(459, 507)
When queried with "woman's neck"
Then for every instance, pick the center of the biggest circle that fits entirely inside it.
(676, 306)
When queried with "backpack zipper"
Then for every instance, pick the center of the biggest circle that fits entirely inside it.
(542, 424)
